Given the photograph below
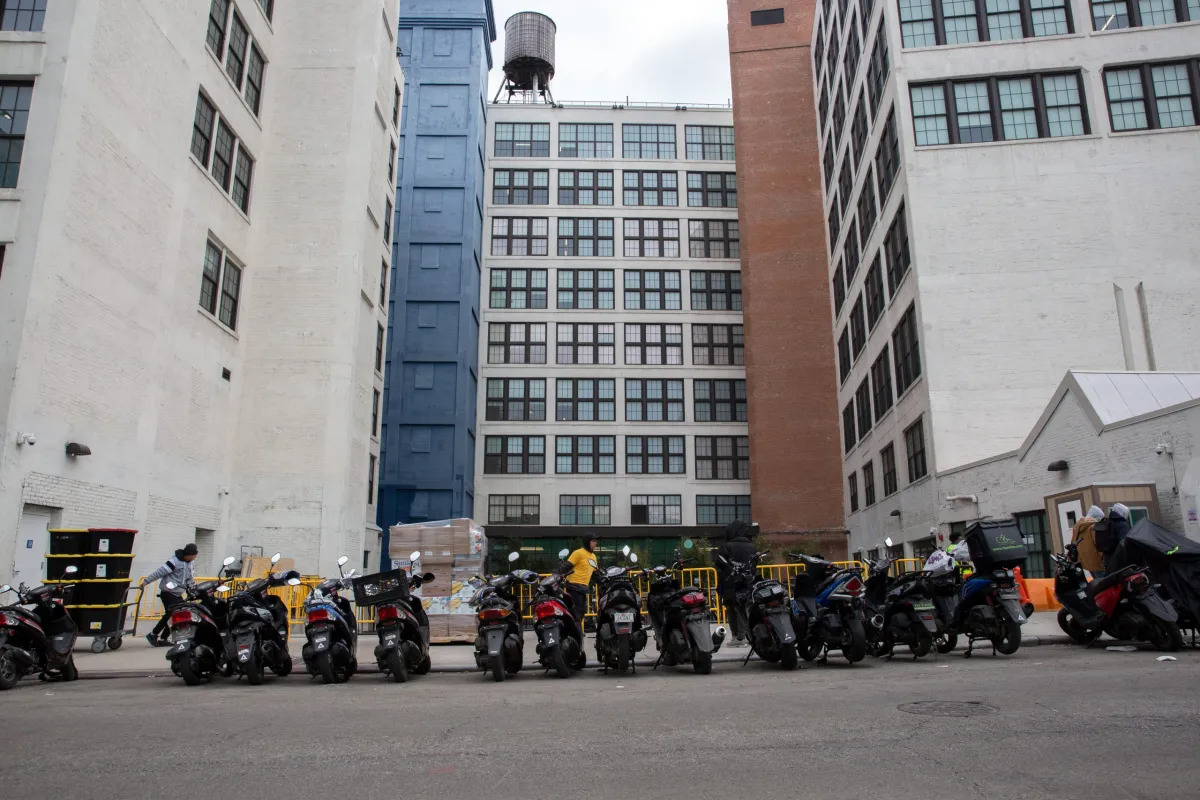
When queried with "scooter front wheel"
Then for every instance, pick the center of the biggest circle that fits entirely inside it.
(946, 642)
(1071, 627)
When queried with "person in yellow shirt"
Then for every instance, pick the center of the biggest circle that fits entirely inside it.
(581, 578)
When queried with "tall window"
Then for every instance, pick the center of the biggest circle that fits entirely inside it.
(522, 140)
(709, 142)
(586, 400)
(853, 50)
(862, 403)
(887, 158)
(514, 455)
(371, 461)
(585, 237)
(585, 509)
(521, 187)
(218, 24)
(722, 458)
(914, 443)
(653, 400)
(651, 238)
(881, 380)
(268, 7)
(1153, 96)
(859, 129)
(999, 109)
(655, 509)
(839, 291)
(231, 43)
(712, 189)
(235, 53)
(846, 183)
(895, 244)
(1036, 534)
(867, 210)
(845, 361)
(221, 153)
(839, 110)
(518, 288)
(926, 23)
(827, 163)
(716, 291)
(22, 15)
(849, 431)
(585, 455)
(585, 288)
(858, 326)
(648, 141)
(387, 221)
(722, 509)
(585, 141)
(221, 285)
(14, 116)
(878, 70)
(718, 345)
(650, 188)
(835, 223)
(514, 509)
(652, 290)
(904, 346)
(1111, 15)
(520, 236)
(516, 343)
(586, 343)
(653, 344)
(873, 289)
(375, 397)
(655, 455)
(868, 472)
(516, 400)
(852, 485)
(719, 401)
(887, 458)
(713, 238)
(578, 187)
(379, 348)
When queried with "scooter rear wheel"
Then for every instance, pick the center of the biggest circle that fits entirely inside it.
(498, 668)
(253, 667)
(396, 666)
(69, 671)
(623, 658)
(946, 642)
(701, 661)
(189, 670)
(1165, 635)
(324, 664)
(788, 657)
(9, 674)
(559, 662)
(424, 667)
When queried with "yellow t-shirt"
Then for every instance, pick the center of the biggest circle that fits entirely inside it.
(583, 570)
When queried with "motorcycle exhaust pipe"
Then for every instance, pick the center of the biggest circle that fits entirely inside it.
(877, 621)
(718, 637)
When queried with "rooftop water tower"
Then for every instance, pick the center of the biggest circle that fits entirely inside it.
(528, 58)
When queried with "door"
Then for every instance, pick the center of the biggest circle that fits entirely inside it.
(1069, 513)
(33, 542)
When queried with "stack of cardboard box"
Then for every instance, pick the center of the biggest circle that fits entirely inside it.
(453, 550)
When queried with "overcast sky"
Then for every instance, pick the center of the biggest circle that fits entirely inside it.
(669, 51)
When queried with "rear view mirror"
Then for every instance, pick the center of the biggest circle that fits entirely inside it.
(513, 556)
(71, 570)
(428, 577)
(223, 588)
(293, 581)
(625, 549)
(414, 555)
(888, 541)
(5, 588)
(350, 574)
(228, 561)
(564, 553)
(342, 561)
(687, 544)
(172, 585)
(633, 557)
(275, 558)
(592, 563)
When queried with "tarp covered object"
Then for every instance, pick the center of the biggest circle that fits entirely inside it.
(1173, 560)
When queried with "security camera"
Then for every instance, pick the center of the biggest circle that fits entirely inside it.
(26, 438)
(1159, 449)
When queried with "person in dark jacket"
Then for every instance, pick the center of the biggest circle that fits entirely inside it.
(1118, 529)
(176, 571)
(737, 548)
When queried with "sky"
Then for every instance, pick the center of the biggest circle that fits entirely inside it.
(667, 51)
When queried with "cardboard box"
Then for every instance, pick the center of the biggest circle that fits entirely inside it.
(254, 567)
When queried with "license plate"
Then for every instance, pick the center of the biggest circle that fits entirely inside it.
(1010, 594)
(623, 616)
(243, 652)
(320, 639)
(551, 637)
(181, 634)
(182, 647)
(1081, 594)
(923, 606)
(390, 638)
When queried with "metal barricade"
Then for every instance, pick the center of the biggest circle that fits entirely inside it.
(903, 566)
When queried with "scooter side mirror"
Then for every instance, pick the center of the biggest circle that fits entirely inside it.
(229, 561)
(564, 553)
(223, 588)
(275, 558)
(5, 588)
(633, 557)
(342, 561)
(293, 581)
(513, 556)
(592, 563)
(71, 570)
(428, 577)
(172, 585)
(625, 550)
(414, 555)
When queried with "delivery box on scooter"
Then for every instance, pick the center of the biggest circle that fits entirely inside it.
(995, 544)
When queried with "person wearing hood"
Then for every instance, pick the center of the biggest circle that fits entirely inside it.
(1083, 536)
(737, 548)
(177, 571)
(1118, 529)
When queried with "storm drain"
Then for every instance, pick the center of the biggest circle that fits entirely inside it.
(948, 708)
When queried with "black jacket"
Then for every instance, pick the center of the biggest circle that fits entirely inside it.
(739, 548)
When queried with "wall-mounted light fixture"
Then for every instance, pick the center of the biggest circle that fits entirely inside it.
(895, 513)
(1057, 466)
(75, 449)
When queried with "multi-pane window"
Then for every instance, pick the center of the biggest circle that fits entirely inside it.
(514, 509)
(653, 400)
(522, 139)
(823, 107)
(881, 382)
(1153, 96)
(655, 455)
(925, 23)
(520, 236)
(831, 56)
(231, 42)
(652, 290)
(651, 238)
(516, 400)
(719, 401)
(518, 288)
(1111, 15)
(914, 444)
(858, 128)
(862, 404)
(712, 189)
(895, 244)
(722, 458)
(648, 141)
(873, 289)
(716, 291)
(722, 509)
(586, 343)
(656, 509)
(846, 183)
(999, 109)
(818, 54)
(585, 455)
(256, 69)
(585, 509)
(221, 285)
(858, 327)
(839, 290)
(514, 455)
(718, 345)
(827, 162)
(887, 158)
(843, 351)
(853, 50)
(906, 351)
(709, 142)
(713, 238)
(235, 53)
(521, 187)
(852, 484)
(585, 288)
(650, 188)
(653, 344)
(22, 15)
(867, 210)
(578, 187)
(887, 459)
(516, 343)
(878, 70)
(375, 398)
(849, 432)
(839, 110)
(585, 141)
(15, 98)
(387, 221)
(868, 472)
(379, 347)
(586, 400)
(585, 237)
(221, 154)
(218, 24)
(268, 7)
(202, 126)
(835, 222)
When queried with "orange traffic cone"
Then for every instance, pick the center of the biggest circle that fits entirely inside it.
(1025, 601)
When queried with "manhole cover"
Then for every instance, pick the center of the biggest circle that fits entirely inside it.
(947, 708)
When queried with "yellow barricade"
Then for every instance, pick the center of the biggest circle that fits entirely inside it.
(903, 566)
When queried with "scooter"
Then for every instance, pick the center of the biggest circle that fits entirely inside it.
(38, 641)
(499, 644)
(332, 631)
(620, 632)
(679, 617)
(898, 611)
(199, 632)
(258, 625)
(767, 612)
(403, 633)
(989, 607)
(559, 634)
(828, 608)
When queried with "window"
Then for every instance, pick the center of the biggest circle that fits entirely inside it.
(862, 402)
(713, 238)
(202, 126)
(881, 380)
(371, 459)
(867, 210)
(719, 401)
(831, 56)
(651, 238)
(586, 400)
(521, 187)
(1153, 96)
(585, 455)
(519, 236)
(895, 244)
(243, 174)
(709, 142)
(819, 49)
(712, 189)
(231, 165)
(878, 70)
(514, 509)
(873, 288)
(255, 74)
(925, 23)
(585, 288)
(852, 483)
(655, 509)
(839, 111)
(655, 455)
(378, 348)
(827, 162)
(858, 327)
(585, 237)
(585, 509)
(887, 457)
(722, 458)
(514, 455)
(904, 346)
(999, 109)
(858, 129)
(824, 109)
(585, 141)
(14, 116)
(850, 250)
(914, 443)
(653, 400)
(1036, 535)
(235, 54)
(846, 183)
(240, 55)
(578, 187)
(22, 15)
(722, 509)
(516, 400)
(518, 288)
(868, 472)
(522, 140)
(1112, 15)
(716, 291)
(396, 106)
(652, 290)
(516, 343)
(839, 291)
(887, 158)
(586, 343)
(268, 7)
(835, 223)
(383, 272)
(392, 163)
(648, 141)
(853, 51)
(653, 344)
(766, 16)
(218, 20)
(844, 360)
(718, 345)
(221, 285)
(223, 150)
(849, 432)
(650, 188)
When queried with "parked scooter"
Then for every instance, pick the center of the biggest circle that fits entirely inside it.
(499, 645)
(680, 619)
(620, 631)
(331, 629)
(898, 611)
(828, 608)
(199, 632)
(1124, 604)
(403, 639)
(38, 641)
(767, 611)
(258, 624)
(943, 584)
(559, 634)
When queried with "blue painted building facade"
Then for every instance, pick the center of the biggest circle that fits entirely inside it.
(427, 453)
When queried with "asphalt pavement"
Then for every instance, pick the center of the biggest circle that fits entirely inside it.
(1048, 722)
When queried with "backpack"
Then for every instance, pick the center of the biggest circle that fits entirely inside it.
(1106, 537)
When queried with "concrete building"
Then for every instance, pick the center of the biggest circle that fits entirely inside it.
(195, 209)
(1007, 197)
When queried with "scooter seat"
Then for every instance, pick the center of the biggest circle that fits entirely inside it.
(1111, 579)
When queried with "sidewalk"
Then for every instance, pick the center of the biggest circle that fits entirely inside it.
(137, 658)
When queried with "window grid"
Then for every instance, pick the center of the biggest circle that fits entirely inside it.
(712, 190)
(218, 21)
(1008, 108)
(881, 383)
(853, 50)
(868, 473)
(655, 455)
(653, 290)
(586, 343)
(518, 288)
(858, 327)
(844, 359)
(708, 142)
(221, 270)
(914, 444)
(585, 237)
(656, 509)
(585, 509)
(577, 187)
(1117, 14)
(887, 458)
(586, 400)
(223, 154)
(520, 236)
(722, 509)
(867, 210)
(202, 128)
(516, 343)
(862, 405)
(887, 158)
(653, 400)
(718, 345)
(586, 289)
(878, 70)
(858, 129)
(929, 23)
(231, 164)
(650, 188)
(849, 431)
(716, 291)
(514, 509)
(585, 455)
(235, 54)
(713, 238)
(15, 99)
(651, 238)
(23, 15)
(648, 141)
(852, 484)
(873, 288)
(514, 455)
(719, 401)
(846, 183)
(1153, 96)
(521, 187)
(522, 140)
(516, 400)
(839, 291)
(722, 458)
(653, 344)
(255, 75)
(895, 245)
(585, 141)
(905, 350)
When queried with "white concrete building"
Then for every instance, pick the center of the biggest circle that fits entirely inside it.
(612, 385)
(195, 212)
(1009, 197)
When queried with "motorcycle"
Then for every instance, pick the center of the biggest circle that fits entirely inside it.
(766, 612)
(258, 626)
(620, 632)
(331, 630)
(828, 609)
(559, 634)
(39, 641)
(943, 583)
(898, 611)
(403, 637)
(499, 645)
(679, 617)
(989, 607)
(199, 632)
(1124, 604)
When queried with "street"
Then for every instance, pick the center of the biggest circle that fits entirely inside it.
(1068, 723)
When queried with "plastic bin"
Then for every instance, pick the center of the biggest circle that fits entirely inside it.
(101, 593)
(96, 567)
(94, 620)
(382, 587)
(111, 540)
(56, 567)
(69, 541)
